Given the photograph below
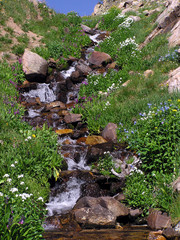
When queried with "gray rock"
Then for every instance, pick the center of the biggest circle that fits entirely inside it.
(109, 132)
(118, 209)
(34, 66)
(95, 216)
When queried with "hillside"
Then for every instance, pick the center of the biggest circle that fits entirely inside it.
(112, 82)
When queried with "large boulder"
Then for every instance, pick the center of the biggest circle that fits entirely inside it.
(34, 66)
(169, 15)
(174, 39)
(118, 209)
(109, 132)
(98, 58)
(157, 221)
(95, 216)
(101, 211)
(174, 81)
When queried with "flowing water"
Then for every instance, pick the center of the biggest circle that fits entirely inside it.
(67, 193)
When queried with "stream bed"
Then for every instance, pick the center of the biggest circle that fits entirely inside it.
(44, 106)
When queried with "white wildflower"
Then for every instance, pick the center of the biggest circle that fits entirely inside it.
(40, 199)
(21, 183)
(1, 194)
(20, 176)
(12, 165)
(6, 175)
(16, 162)
(9, 180)
(13, 190)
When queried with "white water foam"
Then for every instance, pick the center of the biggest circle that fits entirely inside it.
(43, 91)
(65, 201)
(93, 38)
(67, 73)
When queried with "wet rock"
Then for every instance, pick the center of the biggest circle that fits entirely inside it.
(69, 84)
(34, 66)
(98, 58)
(109, 132)
(90, 190)
(118, 209)
(93, 140)
(95, 151)
(83, 68)
(76, 77)
(170, 233)
(156, 220)
(27, 86)
(95, 217)
(64, 131)
(102, 36)
(72, 117)
(156, 236)
(62, 96)
(55, 104)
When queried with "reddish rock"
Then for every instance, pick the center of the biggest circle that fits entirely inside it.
(34, 66)
(109, 132)
(81, 140)
(97, 58)
(93, 140)
(156, 220)
(71, 118)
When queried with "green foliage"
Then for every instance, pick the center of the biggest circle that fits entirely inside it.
(146, 192)
(105, 164)
(27, 152)
(139, 192)
(21, 213)
(155, 137)
(109, 20)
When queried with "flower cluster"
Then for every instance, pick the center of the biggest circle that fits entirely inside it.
(129, 41)
(127, 23)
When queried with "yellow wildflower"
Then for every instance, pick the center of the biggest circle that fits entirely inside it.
(174, 110)
(33, 135)
(178, 100)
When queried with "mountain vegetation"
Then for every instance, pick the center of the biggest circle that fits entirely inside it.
(147, 114)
